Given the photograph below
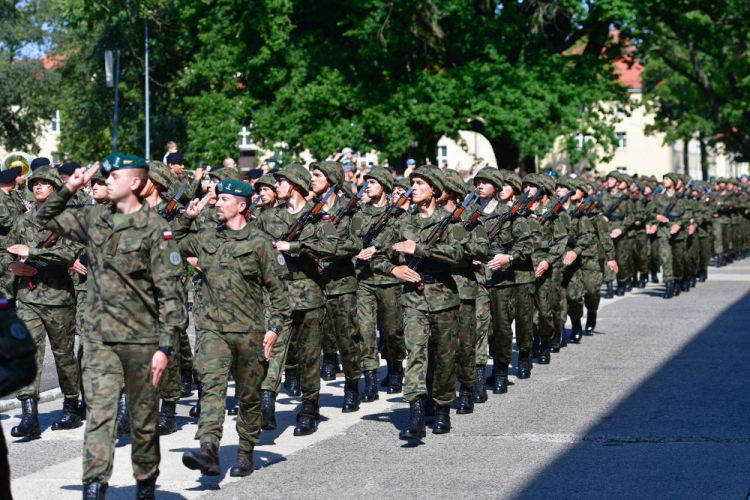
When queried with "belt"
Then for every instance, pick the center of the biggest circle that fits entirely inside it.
(495, 251)
(674, 215)
(431, 279)
(295, 275)
(617, 216)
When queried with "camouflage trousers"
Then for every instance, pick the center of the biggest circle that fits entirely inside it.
(653, 253)
(243, 354)
(640, 252)
(304, 348)
(81, 311)
(705, 251)
(509, 303)
(583, 284)
(170, 388)
(671, 255)
(718, 230)
(58, 324)
(341, 311)
(425, 333)
(186, 353)
(378, 305)
(484, 323)
(466, 342)
(545, 302)
(624, 257)
(692, 255)
(726, 237)
(106, 367)
(561, 302)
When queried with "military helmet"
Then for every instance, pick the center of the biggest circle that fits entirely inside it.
(433, 175)
(266, 180)
(565, 181)
(160, 174)
(403, 183)
(383, 177)
(224, 173)
(549, 183)
(513, 180)
(46, 173)
(454, 183)
(332, 170)
(675, 177)
(490, 174)
(296, 174)
(615, 175)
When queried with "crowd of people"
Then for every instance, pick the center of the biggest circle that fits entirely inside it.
(301, 272)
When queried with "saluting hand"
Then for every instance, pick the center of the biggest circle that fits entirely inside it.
(81, 177)
(268, 342)
(196, 206)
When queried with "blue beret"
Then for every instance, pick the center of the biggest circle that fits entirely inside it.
(237, 188)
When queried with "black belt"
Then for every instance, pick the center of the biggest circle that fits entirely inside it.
(431, 279)
(495, 251)
(616, 216)
(674, 215)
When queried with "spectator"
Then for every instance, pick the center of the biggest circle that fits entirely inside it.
(229, 163)
(171, 148)
(409, 167)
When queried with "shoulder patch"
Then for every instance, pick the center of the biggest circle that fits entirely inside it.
(174, 258)
(167, 235)
(280, 260)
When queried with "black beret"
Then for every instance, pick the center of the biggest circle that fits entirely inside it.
(255, 173)
(39, 162)
(10, 174)
(175, 158)
(68, 168)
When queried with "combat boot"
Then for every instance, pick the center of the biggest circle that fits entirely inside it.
(654, 277)
(82, 408)
(677, 287)
(95, 491)
(704, 275)
(554, 345)
(465, 400)
(351, 397)
(500, 384)
(429, 405)
(524, 364)
(205, 460)
(442, 424)
(644, 280)
(29, 426)
(609, 293)
(693, 281)
(243, 467)
(563, 337)
(396, 383)
(620, 289)
(575, 333)
(306, 423)
(291, 377)
(186, 378)
(491, 379)
(123, 415)
(629, 285)
(416, 429)
(167, 424)
(535, 345)
(387, 379)
(234, 409)
(70, 417)
(685, 285)
(146, 489)
(590, 320)
(195, 411)
(668, 290)
(371, 386)
(480, 385)
(267, 410)
(328, 372)
(544, 353)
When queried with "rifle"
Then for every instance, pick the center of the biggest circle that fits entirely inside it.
(611, 210)
(530, 203)
(593, 204)
(380, 223)
(580, 209)
(474, 219)
(556, 209)
(679, 194)
(498, 225)
(349, 207)
(437, 233)
(46, 243)
(307, 217)
(249, 210)
(169, 211)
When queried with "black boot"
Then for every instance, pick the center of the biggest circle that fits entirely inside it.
(524, 364)
(685, 285)
(536, 345)
(396, 383)
(620, 289)
(94, 491)
(720, 262)
(429, 404)
(70, 417)
(371, 386)
(205, 460)
(491, 379)
(480, 385)
(575, 333)
(442, 423)
(554, 345)
(416, 429)
(82, 408)
(145, 490)
(267, 410)
(306, 424)
(693, 281)
(590, 321)
(167, 423)
(654, 277)
(629, 285)
(465, 400)
(544, 352)
(387, 379)
(563, 337)
(500, 384)
(668, 290)
(328, 372)
(29, 426)
(609, 293)
(644, 280)
(195, 411)
(677, 287)
(234, 409)
(186, 379)
(291, 376)
(243, 467)
(123, 415)
(704, 275)
(351, 397)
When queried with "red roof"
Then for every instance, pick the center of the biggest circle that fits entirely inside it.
(629, 71)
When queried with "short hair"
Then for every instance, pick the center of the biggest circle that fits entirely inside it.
(170, 144)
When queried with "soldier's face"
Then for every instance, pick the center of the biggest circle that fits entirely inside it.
(421, 190)
(396, 193)
(506, 193)
(283, 188)
(374, 189)
(42, 190)
(319, 182)
(561, 191)
(267, 196)
(667, 183)
(99, 191)
(176, 168)
(485, 188)
(121, 184)
(228, 206)
(530, 188)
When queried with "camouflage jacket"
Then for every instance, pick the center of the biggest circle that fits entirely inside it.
(517, 239)
(54, 286)
(236, 266)
(582, 238)
(134, 295)
(365, 274)
(554, 236)
(317, 241)
(440, 289)
(11, 210)
(337, 277)
(624, 217)
(603, 238)
(475, 247)
(681, 214)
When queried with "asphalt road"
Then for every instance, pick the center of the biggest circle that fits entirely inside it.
(653, 405)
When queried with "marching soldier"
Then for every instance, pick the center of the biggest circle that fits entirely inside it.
(266, 188)
(617, 209)
(11, 209)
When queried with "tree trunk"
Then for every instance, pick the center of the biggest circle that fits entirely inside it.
(507, 155)
(704, 159)
(685, 157)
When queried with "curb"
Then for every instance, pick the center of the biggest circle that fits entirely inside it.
(45, 397)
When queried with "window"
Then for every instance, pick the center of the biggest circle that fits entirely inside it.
(584, 141)
(245, 139)
(622, 140)
(442, 155)
(54, 124)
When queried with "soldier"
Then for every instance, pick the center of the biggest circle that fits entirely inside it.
(11, 209)
(378, 295)
(617, 209)
(430, 317)
(45, 302)
(66, 170)
(640, 238)
(400, 186)
(592, 278)
(317, 241)
(266, 188)
(340, 286)
(136, 310)
(237, 262)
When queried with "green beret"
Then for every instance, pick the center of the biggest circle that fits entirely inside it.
(433, 175)
(266, 180)
(235, 187)
(332, 170)
(566, 182)
(296, 174)
(513, 180)
(454, 183)
(160, 174)
(224, 173)
(120, 161)
(383, 177)
(403, 183)
(46, 173)
(490, 174)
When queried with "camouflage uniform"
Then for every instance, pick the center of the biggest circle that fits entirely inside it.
(671, 247)
(135, 306)
(623, 218)
(11, 210)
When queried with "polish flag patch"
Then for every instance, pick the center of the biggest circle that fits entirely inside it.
(167, 235)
